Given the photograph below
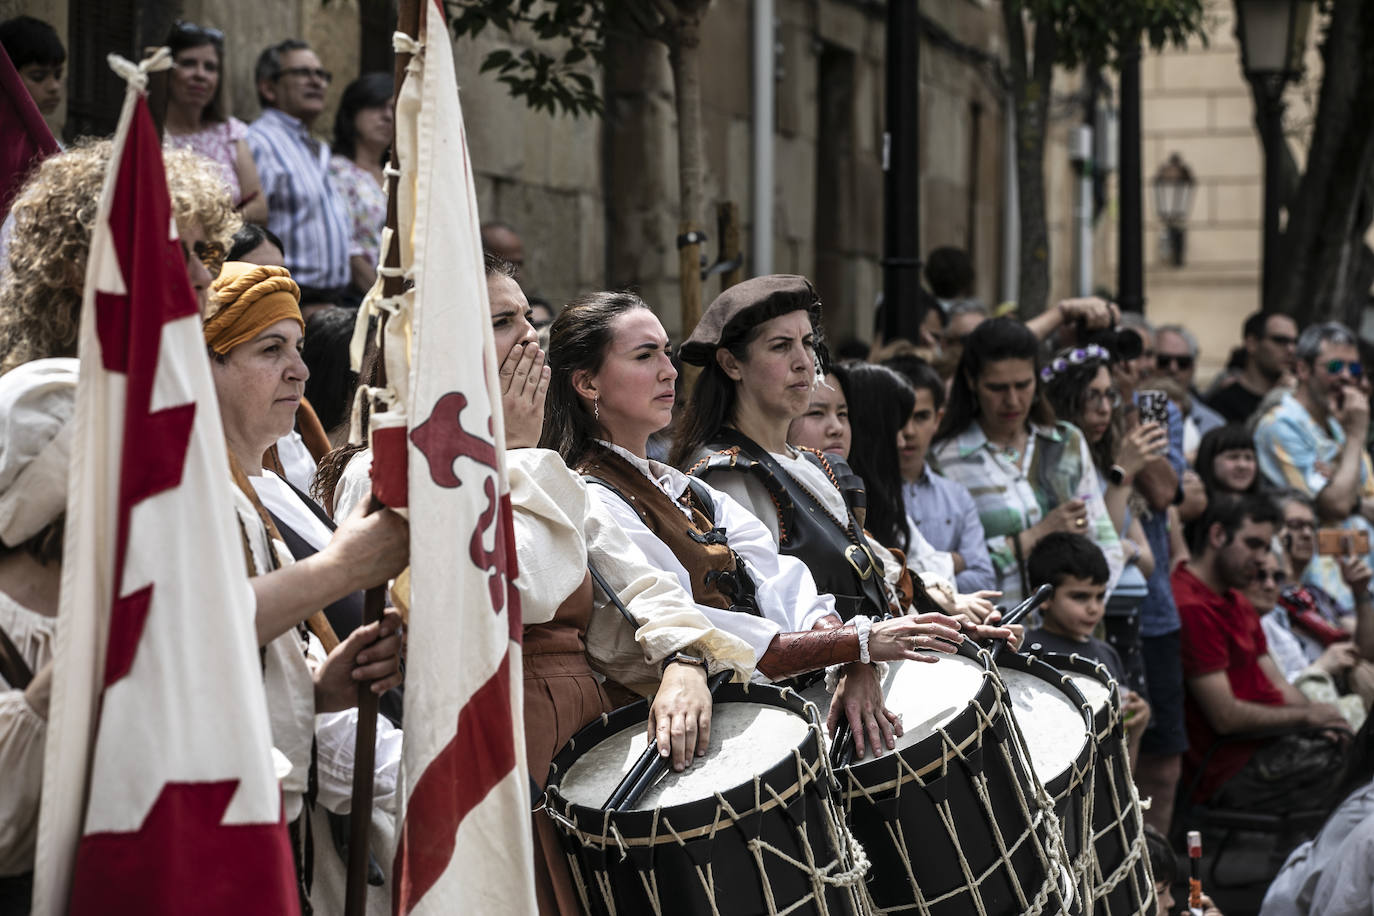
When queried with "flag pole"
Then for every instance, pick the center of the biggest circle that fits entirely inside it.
(374, 600)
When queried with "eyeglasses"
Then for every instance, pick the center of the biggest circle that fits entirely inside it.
(1283, 340)
(211, 254)
(1164, 361)
(1111, 398)
(318, 73)
(1337, 366)
(1274, 576)
(1300, 524)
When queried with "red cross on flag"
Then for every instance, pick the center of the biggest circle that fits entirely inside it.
(158, 794)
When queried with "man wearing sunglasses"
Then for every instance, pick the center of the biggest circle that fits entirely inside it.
(1269, 353)
(1176, 354)
(1312, 441)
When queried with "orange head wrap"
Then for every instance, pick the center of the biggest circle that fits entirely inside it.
(247, 299)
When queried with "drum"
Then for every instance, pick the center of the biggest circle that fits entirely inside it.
(1057, 725)
(954, 821)
(1120, 877)
(750, 828)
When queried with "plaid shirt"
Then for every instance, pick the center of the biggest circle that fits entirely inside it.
(1011, 496)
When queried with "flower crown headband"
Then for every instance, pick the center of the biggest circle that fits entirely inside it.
(1075, 357)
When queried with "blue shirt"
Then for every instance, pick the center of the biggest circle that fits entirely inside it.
(945, 514)
(1158, 613)
(303, 208)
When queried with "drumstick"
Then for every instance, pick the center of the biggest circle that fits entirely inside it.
(1016, 614)
(650, 766)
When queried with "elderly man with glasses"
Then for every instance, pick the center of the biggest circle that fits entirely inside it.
(1176, 354)
(1312, 441)
(303, 208)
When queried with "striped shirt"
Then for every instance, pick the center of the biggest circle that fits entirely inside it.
(303, 208)
(1013, 493)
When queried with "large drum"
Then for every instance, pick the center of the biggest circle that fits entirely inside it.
(750, 828)
(954, 822)
(1120, 877)
(1057, 725)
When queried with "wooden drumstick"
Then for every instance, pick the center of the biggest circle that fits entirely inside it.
(1018, 613)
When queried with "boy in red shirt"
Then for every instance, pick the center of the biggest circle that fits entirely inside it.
(1234, 685)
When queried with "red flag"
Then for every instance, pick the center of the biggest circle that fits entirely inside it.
(159, 794)
(24, 136)
(463, 840)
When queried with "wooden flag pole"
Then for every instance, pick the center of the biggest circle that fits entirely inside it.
(374, 601)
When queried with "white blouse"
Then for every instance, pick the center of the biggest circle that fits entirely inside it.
(22, 732)
(786, 592)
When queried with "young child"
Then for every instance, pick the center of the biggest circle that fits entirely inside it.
(1164, 866)
(1076, 568)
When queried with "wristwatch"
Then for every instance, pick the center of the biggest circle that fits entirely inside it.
(1116, 475)
(684, 659)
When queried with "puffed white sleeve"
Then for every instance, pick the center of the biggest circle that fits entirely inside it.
(922, 557)
(22, 732)
(786, 590)
(757, 631)
(548, 509)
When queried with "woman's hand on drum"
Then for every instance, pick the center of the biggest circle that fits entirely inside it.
(989, 628)
(680, 717)
(524, 386)
(901, 637)
(859, 698)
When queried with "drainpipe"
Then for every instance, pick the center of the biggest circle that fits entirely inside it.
(764, 69)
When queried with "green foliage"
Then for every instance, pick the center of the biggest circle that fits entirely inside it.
(546, 79)
(1094, 33)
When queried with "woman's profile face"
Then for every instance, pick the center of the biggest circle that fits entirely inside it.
(1005, 391)
(825, 425)
(195, 76)
(779, 368)
(259, 385)
(510, 315)
(634, 386)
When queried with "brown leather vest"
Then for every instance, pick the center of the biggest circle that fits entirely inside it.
(664, 517)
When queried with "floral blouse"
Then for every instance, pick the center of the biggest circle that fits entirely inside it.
(365, 201)
(218, 141)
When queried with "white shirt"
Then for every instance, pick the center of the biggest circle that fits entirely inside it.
(22, 734)
(786, 592)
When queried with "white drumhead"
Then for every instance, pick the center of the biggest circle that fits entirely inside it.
(746, 740)
(1052, 725)
(1094, 691)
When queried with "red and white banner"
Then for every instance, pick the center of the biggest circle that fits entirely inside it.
(158, 793)
(464, 840)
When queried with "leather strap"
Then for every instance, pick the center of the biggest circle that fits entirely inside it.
(791, 654)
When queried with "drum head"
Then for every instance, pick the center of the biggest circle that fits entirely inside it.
(928, 696)
(1053, 725)
(1094, 691)
(746, 738)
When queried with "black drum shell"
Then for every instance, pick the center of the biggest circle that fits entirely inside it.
(875, 814)
(671, 866)
(1115, 837)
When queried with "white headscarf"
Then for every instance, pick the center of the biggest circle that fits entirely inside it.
(37, 400)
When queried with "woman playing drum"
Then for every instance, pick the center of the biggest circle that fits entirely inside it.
(612, 388)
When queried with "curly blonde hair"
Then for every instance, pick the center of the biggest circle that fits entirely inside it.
(41, 284)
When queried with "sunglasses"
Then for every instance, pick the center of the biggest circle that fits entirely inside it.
(1264, 575)
(318, 73)
(1337, 366)
(1283, 340)
(1164, 361)
(191, 30)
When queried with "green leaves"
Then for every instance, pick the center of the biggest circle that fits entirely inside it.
(1094, 33)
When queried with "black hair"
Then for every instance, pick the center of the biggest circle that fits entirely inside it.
(249, 237)
(712, 404)
(268, 67)
(992, 341)
(45, 546)
(325, 350)
(920, 374)
(185, 36)
(31, 41)
(1067, 394)
(578, 340)
(371, 90)
(1230, 511)
(1061, 554)
(1254, 325)
(949, 273)
(1163, 859)
(1231, 437)
(880, 402)
(851, 348)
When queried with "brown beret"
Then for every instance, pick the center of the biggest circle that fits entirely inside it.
(741, 307)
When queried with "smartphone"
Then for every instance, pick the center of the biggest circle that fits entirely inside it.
(1338, 542)
(1154, 406)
